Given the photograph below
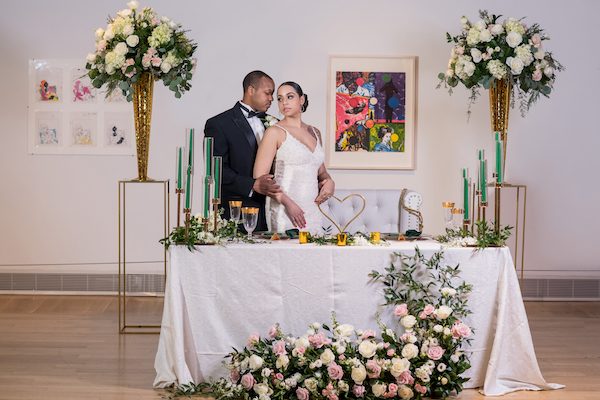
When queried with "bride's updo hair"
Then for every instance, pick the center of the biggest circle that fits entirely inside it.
(298, 90)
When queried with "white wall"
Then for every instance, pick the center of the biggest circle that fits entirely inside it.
(59, 210)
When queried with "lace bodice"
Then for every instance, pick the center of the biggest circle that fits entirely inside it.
(296, 171)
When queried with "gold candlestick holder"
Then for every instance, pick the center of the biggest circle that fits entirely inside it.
(215, 203)
(205, 224)
(497, 189)
(478, 202)
(179, 192)
(187, 212)
(466, 224)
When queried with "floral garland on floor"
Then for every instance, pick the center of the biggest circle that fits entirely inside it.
(340, 362)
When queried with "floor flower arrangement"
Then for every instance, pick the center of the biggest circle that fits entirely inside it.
(339, 361)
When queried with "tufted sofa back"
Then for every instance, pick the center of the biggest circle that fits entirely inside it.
(382, 213)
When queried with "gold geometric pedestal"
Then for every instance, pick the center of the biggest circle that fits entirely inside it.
(122, 254)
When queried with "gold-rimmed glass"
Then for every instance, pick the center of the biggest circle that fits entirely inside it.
(250, 218)
(235, 212)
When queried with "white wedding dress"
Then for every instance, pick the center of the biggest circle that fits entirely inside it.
(296, 171)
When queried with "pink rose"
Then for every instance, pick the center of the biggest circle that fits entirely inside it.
(386, 345)
(435, 352)
(301, 350)
(156, 62)
(358, 390)
(485, 57)
(405, 336)
(333, 396)
(335, 371)
(460, 330)
(392, 390)
(248, 381)
(151, 51)
(154, 22)
(342, 357)
(279, 348)
(420, 389)
(401, 310)
(368, 333)
(319, 340)
(460, 50)
(405, 378)
(391, 352)
(253, 339)
(537, 75)
(273, 331)
(234, 375)
(429, 309)
(373, 369)
(423, 315)
(537, 41)
(302, 393)
(279, 376)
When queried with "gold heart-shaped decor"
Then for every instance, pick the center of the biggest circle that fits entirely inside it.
(341, 201)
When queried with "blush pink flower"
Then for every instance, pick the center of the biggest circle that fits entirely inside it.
(302, 393)
(386, 345)
(333, 396)
(319, 340)
(537, 41)
(248, 381)
(335, 371)
(342, 357)
(279, 376)
(301, 350)
(279, 348)
(373, 369)
(253, 339)
(368, 333)
(391, 352)
(151, 51)
(234, 375)
(401, 310)
(460, 330)
(429, 309)
(435, 352)
(154, 22)
(405, 378)
(405, 336)
(423, 315)
(156, 62)
(358, 390)
(420, 389)
(537, 75)
(392, 390)
(273, 331)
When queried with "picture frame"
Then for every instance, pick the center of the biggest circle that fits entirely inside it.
(371, 112)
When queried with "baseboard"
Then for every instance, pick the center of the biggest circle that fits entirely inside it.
(563, 289)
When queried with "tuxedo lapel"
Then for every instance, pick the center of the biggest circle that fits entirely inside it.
(243, 125)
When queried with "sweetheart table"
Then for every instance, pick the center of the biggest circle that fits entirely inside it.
(216, 297)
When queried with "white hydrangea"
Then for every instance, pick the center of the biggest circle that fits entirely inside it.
(512, 25)
(160, 35)
(497, 69)
(524, 53)
(473, 36)
(114, 60)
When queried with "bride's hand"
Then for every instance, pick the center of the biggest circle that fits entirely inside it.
(296, 214)
(326, 189)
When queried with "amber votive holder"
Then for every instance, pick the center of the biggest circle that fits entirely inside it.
(341, 239)
(303, 237)
(375, 237)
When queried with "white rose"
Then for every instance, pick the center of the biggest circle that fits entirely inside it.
(513, 39)
(109, 34)
(539, 55)
(132, 40)
(128, 30)
(91, 58)
(454, 358)
(261, 388)
(165, 67)
(378, 389)
(443, 312)
(448, 291)
(405, 392)
(173, 25)
(125, 13)
(410, 351)
(255, 362)
(476, 54)
(447, 331)
(302, 342)
(311, 384)
(399, 365)
(265, 373)
(99, 33)
(283, 361)
(485, 36)
(359, 374)
(110, 69)
(497, 29)
(549, 71)
(412, 339)
(121, 49)
(480, 25)
(408, 321)
(367, 349)
(133, 5)
(344, 330)
(516, 65)
(164, 19)
(469, 68)
(327, 357)
(438, 328)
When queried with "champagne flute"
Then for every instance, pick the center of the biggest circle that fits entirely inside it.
(250, 218)
(235, 208)
(448, 207)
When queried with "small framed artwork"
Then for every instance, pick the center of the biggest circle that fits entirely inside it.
(372, 111)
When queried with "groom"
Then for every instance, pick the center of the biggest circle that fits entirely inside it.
(237, 133)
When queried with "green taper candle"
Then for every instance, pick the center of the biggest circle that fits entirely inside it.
(179, 155)
(217, 170)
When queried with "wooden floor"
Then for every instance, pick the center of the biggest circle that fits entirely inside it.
(67, 347)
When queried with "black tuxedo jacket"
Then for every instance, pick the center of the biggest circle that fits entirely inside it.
(234, 140)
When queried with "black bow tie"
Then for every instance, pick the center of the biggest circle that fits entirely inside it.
(252, 113)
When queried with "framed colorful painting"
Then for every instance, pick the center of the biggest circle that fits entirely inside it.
(372, 111)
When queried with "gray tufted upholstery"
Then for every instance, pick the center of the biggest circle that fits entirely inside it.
(382, 211)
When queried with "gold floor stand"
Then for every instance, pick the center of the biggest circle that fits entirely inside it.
(123, 327)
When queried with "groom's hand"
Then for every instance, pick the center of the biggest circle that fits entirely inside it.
(266, 185)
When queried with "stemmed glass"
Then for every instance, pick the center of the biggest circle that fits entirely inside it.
(448, 214)
(235, 210)
(250, 218)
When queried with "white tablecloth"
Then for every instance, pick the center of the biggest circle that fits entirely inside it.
(217, 296)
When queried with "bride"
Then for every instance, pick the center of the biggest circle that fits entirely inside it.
(297, 152)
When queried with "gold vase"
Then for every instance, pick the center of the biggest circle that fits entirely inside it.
(499, 107)
(142, 112)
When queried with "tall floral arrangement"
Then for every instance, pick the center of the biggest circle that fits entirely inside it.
(340, 362)
(141, 42)
(491, 49)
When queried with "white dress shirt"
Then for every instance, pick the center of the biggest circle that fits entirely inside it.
(255, 123)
